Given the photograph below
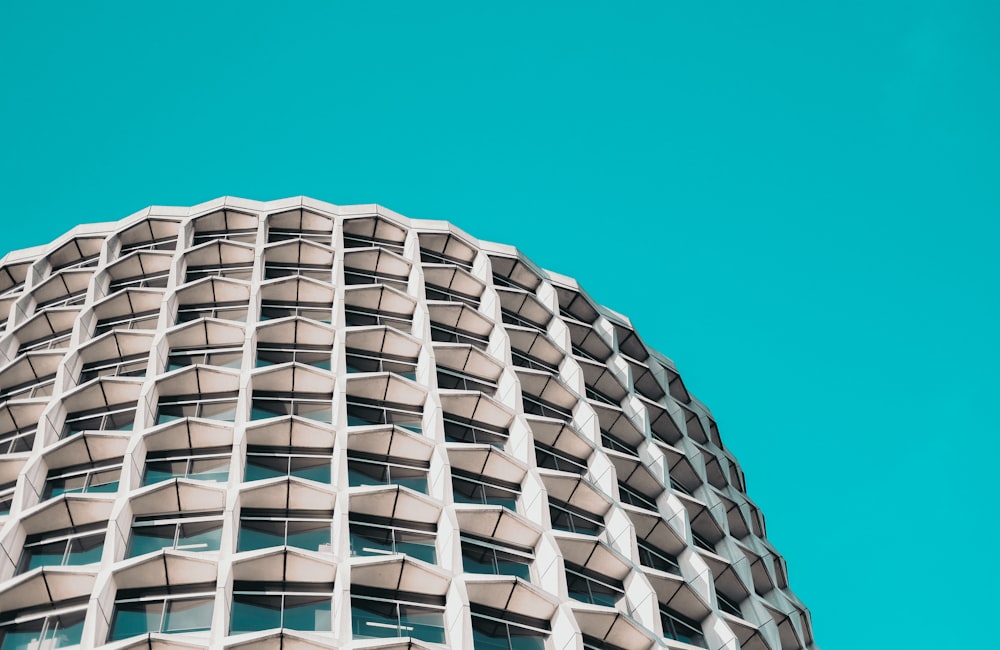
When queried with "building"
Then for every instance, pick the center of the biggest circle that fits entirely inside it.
(300, 425)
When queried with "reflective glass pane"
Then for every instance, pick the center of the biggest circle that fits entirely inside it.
(85, 550)
(105, 481)
(146, 539)
(264, 467)
(422, 623)
(200, 536)
(308, 613)
(194, 615)
(163, 470)
(255, 612)
(373, 619)
(312, 535)
(210, 469)
(65, 630)
(67, 485)
(256, 534)
(222, 411)
(44, 555)
(133, 619)
(313, 469)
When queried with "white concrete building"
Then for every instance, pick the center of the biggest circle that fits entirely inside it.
(300, 425)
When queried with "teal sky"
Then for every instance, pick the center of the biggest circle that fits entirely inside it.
(797, 202)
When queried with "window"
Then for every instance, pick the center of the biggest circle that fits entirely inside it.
(152, 281)
(361, 317)
(279, 233)
(680, 628)
(555, 458)
(308, 529)
(131, 366)
(574, 520)
(65, 300)
(374, 469)
(50, 342)
(591, 587)
(114, 417)
(442, 334)
(40, 387)
(428, 256)
(475, 488)
(593, 643)
(656, 558)
(487, 555)
(248, 235)
(101, 478)
(290, 605)
(159, 244)
(435, 292)
(18, 440)
(235, 311)
(7, 497)
(318, 311)
(223, 357)
(702, 542)
(615, 443)
(66, 547)
(273, 270)
(142, 321)
(201, 465)
(527, 361)
(362, 412)
(234, 271)
(43, 628)
(495, 629)
(364, 276)
(381, 614)
(270, 462)
(513, 318)
(211, 406)
(317, 356)
(380, 536)
(271, 404)
(176, 610)
(537, 406)
(365, 361)
(459, 429)
(361, 241)
(634, 497)
(729, 605)
(449, 379)
(184, 531)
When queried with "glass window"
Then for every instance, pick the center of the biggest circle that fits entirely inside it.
(269, 354)
(362, 276)
(537, 406)
(449, 379)
(223, 357)
(211, 406)
(202, 465)
(318, 311)
(373, 469)
(42, 630)
(365, 361)
(18, 440)
(182, 610)
(67, 547)
(274, 270)
(494, 629)
(656, 558)
(234, 311)
(362, 241)
(379, 536)
(271, 404)
(246, 235)
(276, 234)
(459, 429)
(39, 387)
(680, 628)
(590, 587)
(115, 417)
(527, 361)
(143, 321)
(435, 292)
(361, 412)
(634, 497)
(293, 606)
(270, 462)
(555, 458)
(7, 497)
(443, 334)
(152, 281)
(477, 488)
(574, 520)
(194, 531)
(513, 318)
(361, 317)
(159, 244)
(481, 555)
(130, 366)
(98, 478)
(238, 271)
(381, 614)
(51, 342)
(428, 256)
(308, 529)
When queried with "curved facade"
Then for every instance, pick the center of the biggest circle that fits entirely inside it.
(300, 425)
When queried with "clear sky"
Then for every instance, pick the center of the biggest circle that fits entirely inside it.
(797, 202)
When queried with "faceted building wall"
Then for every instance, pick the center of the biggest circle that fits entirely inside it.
(300, 425)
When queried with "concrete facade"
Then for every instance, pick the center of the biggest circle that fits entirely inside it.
(299, 425)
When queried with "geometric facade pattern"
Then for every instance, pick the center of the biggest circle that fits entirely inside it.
(300, 425)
